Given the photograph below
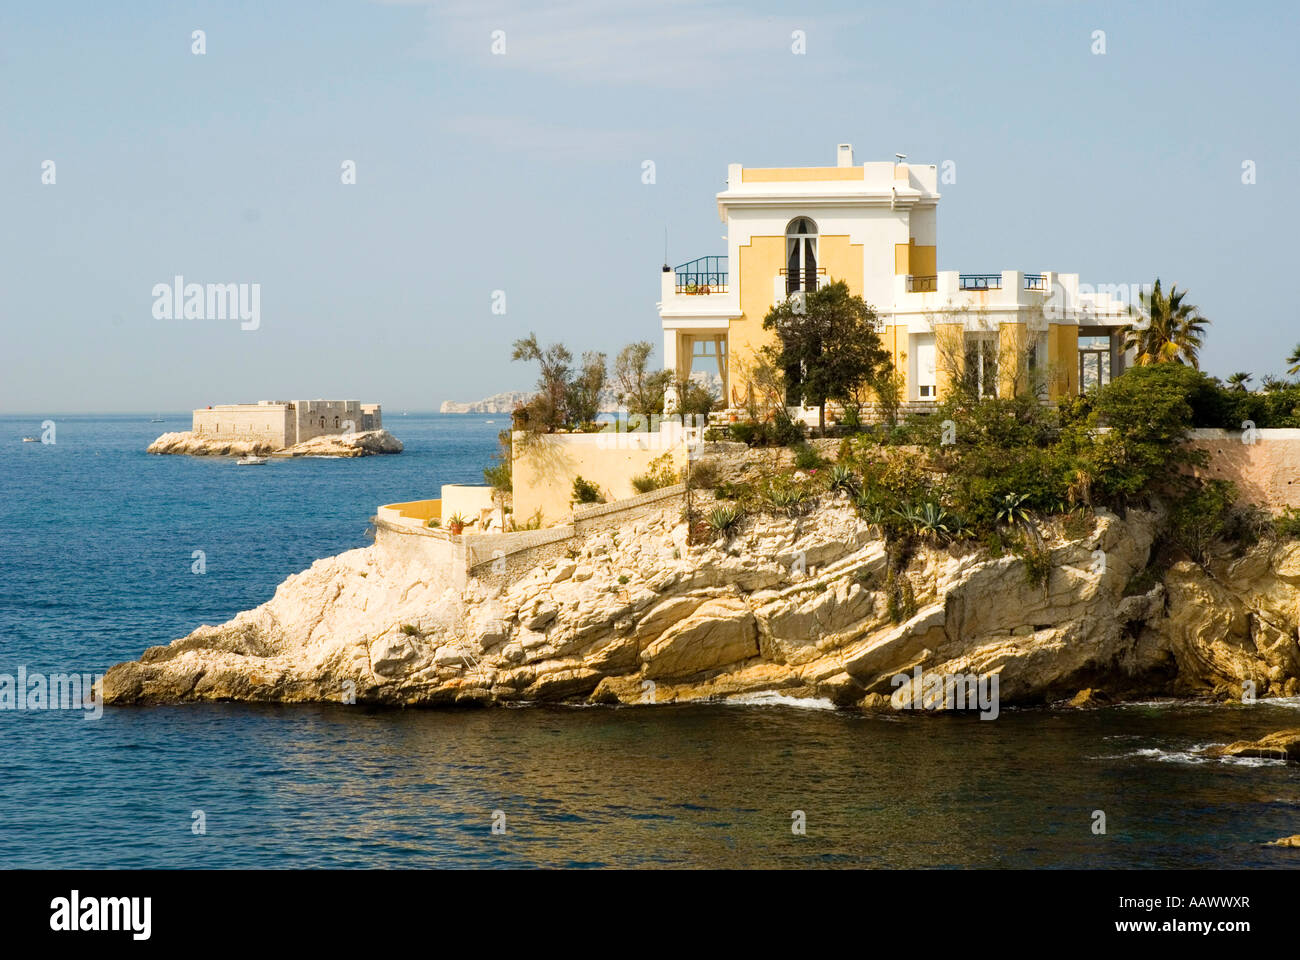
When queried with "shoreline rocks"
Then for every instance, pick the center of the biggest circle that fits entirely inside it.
(363, 444)
(797, 607)
(1280, 745)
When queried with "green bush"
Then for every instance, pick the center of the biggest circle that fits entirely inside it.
(586, 492)
(1202, 517)
(807, 458)
(1287, 526)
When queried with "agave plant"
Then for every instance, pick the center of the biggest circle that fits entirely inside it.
(725, 519)
(932, 521)
(785, 498)
(908, 516)
(842, 480)
(1011, 509)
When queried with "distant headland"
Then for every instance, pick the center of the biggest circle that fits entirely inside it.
(284, 428)
(497, 403)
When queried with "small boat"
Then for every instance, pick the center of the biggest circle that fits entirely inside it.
(250, 461)
(30, 440)
(157, 420)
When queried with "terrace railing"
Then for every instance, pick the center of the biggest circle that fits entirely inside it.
(1035, 281)
(922, 284)
(979, 281)
(703, 275)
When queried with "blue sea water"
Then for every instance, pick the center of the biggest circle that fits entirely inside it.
(96, 544)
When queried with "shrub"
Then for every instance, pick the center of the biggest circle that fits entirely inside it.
(1079, 524)
(586, 492)
(780, 431)
(1203, 516)
(661, 474)
(706, 475)
(900, 598)
(806, 458)
(1287, 525)
(410, 629)
(1037, 560)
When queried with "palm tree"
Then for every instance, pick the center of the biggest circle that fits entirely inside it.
(1239, 380)
(1294, 360)
(1172, 331)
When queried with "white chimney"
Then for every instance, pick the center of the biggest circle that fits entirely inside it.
(844, 155)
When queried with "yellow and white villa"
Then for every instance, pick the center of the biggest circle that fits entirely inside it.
(874, 225)
(791, 230)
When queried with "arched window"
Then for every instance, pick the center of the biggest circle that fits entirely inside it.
(336, 423)
(322, 422)
(800, 255)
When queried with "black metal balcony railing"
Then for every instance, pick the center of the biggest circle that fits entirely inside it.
(1035, 281)
(703, 275)
(923, 284)
(805, 280)
(979, 281)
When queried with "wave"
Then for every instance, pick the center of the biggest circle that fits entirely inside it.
(769, 699)
(1193, 755)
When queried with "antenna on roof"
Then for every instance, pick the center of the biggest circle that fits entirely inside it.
(665, 249)
(901, 157)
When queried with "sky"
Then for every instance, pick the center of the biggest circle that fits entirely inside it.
(519, 172)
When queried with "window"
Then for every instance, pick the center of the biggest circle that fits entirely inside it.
(322, 421)
(925, 367)
(336, 422)
(800, 255)
(980, 371)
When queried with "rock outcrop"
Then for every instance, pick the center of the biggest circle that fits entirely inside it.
(331, 445)
(1282, 745)
(796, 606)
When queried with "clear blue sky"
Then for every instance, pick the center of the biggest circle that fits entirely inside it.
(522, 172)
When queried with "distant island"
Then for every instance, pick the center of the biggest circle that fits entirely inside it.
(497, 403)
(283, 428)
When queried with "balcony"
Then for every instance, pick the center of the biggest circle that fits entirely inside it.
(701, 277)
(979, 281)
(805, 280)
(922, 284)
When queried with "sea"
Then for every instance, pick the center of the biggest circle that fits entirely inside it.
(99, 551)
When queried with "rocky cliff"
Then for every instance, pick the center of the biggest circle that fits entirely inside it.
(334, 445)
(799, 606)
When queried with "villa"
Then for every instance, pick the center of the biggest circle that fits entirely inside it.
(874, 226)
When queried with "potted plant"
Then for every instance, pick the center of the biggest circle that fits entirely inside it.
(456, 524)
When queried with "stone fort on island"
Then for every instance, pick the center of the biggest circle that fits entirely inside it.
(284, 423)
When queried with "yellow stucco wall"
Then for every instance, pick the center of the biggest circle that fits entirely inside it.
(913, 260)
(760, 264)
(546, 466)
(1013, 344)
(895, 340)
(798, 174)
(1063, 359)
(949, 351)
(471, 502)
